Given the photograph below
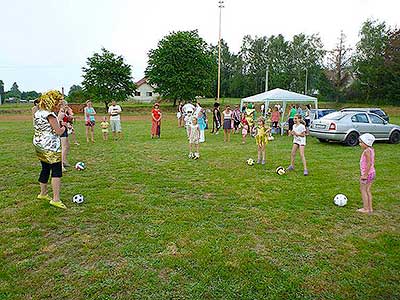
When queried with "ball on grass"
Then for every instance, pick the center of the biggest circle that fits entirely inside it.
(78, 198)
(80, 166)
(340, 200)
(280, 170)
(250, 162)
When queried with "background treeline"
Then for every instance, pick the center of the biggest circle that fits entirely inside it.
(368, 72)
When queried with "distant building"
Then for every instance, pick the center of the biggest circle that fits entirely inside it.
(145, 92)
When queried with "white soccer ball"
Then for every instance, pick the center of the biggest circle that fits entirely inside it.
(340, 200)
(250, 162)
(80, 166)
(78, 199)
(280, 170)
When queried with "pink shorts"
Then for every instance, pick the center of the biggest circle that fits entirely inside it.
(370, 179)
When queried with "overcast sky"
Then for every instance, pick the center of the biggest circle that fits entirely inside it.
(44, 43)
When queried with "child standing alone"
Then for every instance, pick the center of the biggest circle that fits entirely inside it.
(367, 168)
(299, 142)
(194, 139)
(104, 128)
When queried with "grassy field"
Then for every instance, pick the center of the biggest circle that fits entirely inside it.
(156, 225)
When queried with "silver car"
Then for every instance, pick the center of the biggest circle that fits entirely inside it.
(346, 126)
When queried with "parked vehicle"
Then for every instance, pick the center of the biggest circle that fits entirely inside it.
(376, 111)
(347, 126)
(319, 113)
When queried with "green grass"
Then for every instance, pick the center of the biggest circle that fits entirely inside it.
(156, 225)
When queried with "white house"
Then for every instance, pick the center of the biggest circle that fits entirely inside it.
(145, 92)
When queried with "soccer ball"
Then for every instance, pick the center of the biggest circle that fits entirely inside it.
(191, 155)
(78, 199)
(280, 170)
(340, 200)
(250, 162)
(80, 166)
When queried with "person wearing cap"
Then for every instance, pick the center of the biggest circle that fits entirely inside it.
(156, 121)
(115, 119)
(367, 170)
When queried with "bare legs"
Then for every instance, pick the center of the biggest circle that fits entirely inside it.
(366, 196)
(56, 185)
(91, 130)
(261, 153)
(227, 135)
(293, 156)
(64, 151)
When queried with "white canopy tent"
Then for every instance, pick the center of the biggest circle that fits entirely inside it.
(279, 96)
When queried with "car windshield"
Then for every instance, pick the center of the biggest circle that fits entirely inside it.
(334, 116)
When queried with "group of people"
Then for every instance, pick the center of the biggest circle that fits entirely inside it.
(53, 121)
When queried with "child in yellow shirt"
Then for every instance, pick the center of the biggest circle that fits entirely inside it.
(104, 128)
(262, 139)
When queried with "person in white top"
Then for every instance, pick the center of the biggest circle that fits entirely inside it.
(115, 119)
(299, 142)
(228, 117)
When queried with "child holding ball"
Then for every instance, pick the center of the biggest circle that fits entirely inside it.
(367, 168)
(194, 139)
(261, 139)
(299, 142)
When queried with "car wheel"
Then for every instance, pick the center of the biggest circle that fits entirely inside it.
(352, 139)
(323, 140)
(394, 137)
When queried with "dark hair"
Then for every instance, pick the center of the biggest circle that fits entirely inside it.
(300, 118)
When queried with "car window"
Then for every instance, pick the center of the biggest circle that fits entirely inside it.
(378, 112)
(359, 118)
(334, 116)
(375, 119)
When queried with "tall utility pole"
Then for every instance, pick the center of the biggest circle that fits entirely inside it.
(266, 78)
(305, 85)
(221, 6)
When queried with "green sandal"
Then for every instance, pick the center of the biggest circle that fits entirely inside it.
(44, 197)
(58, 204)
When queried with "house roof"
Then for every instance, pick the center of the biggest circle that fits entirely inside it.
(141, 81)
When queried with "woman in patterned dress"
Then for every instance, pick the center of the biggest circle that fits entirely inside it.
(47, 144)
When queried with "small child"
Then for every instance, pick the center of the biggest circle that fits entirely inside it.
(104, 128)
(194, 139)
(245, 129)
(367, 168)
(299, 142)
(261, 139)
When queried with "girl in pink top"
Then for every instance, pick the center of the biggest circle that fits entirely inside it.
(275, 119)
(367, 168)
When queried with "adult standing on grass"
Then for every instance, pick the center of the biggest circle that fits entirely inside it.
(228, 119)
(216, 119)
(236, 118)
(200, 114)
(63, 119)
(115, 119)
(179, 114)
(156, 121)
(292, 113)
(47, 144)
(307, 118)
(90, 120)
(367, 169)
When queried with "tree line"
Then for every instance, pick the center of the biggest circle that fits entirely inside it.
(184, 65)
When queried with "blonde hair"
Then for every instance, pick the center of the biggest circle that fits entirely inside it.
(49, 100)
